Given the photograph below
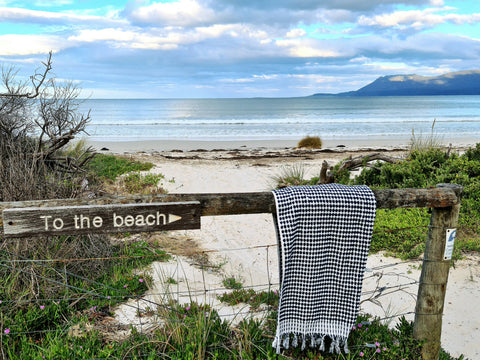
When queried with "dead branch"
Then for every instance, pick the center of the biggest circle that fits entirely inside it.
(327, 175)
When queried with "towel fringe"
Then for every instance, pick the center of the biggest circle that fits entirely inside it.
(295, 340)
(316, 341)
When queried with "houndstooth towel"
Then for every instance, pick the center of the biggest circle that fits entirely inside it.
(324, 234)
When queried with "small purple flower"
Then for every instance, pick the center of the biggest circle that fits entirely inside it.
(359, 325)
(7, 331)
(187, 308)
(42, 307)
(378, 350)
(384, 349)
(377, 344)
(141, 280)
(361, 353)
(353, 328)
(125, 286)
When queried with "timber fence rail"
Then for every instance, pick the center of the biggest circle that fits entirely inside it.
(444, 200)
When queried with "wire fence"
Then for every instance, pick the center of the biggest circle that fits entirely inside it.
(173, 284)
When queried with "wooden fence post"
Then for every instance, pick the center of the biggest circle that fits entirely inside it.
(434, 277)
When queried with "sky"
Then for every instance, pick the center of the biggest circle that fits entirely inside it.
(237, 48)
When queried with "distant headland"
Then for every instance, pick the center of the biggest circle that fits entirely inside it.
(454, 83)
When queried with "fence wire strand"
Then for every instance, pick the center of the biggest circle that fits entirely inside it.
(84, 294)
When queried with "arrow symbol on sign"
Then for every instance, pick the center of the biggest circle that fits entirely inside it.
(173, 218)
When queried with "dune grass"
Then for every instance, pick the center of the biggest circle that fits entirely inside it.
(310, 142)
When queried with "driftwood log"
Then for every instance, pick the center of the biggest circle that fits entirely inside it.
(327, 175)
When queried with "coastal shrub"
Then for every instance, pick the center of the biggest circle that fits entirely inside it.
(38, 119)
(421, 169)
(310, 142)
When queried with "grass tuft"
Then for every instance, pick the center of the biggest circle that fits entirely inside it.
(310, 142)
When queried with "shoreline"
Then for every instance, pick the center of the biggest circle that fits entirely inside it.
(152, 146)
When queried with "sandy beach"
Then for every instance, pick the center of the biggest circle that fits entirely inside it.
(244, 246)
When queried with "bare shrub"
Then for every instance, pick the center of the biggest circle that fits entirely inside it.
(37, 120)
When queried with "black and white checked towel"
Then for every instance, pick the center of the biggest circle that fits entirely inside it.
(324, 234)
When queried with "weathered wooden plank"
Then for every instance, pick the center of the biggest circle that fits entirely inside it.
(434, 278)
(252, 202)
(37, 221)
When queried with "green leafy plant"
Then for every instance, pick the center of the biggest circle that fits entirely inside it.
(232, 283)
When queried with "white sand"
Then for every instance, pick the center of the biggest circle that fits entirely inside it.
(214, 172)
(150, 146)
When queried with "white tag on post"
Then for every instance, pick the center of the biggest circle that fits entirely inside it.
(450, 241)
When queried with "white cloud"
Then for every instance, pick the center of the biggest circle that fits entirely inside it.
(417, 19)
(307, 48)
(34, 16)
(168, 38)
(413, 18)
(180, 13)
(296, 33)
(30, 44)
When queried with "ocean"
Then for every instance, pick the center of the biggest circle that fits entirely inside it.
(333, 118)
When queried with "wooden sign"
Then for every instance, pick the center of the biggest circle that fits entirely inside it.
(72, 220)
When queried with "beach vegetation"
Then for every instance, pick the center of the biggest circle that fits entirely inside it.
(292, 176)
(232, 283)
(138, 183)
(189, 331)
(420, 142)
(109, 167)
(39, 118)
(310, 142)
(402, 232)
(424, 169)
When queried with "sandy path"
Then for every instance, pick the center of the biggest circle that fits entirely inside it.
(236, 172)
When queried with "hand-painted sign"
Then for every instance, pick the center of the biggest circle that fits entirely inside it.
(23, 222)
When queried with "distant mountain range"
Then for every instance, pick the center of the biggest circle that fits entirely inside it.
(454, 83)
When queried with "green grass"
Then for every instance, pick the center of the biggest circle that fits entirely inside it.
(40, 325)
(110, 166)
(195, 331)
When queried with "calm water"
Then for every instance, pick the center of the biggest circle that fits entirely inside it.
(283, 118)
